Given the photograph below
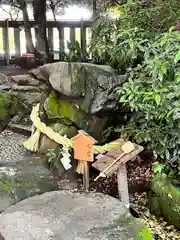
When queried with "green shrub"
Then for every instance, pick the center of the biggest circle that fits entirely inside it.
(154, 16)
(119, 48)
(120, 42)
(153, 95)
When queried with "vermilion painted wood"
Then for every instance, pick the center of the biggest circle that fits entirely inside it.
(83, 146)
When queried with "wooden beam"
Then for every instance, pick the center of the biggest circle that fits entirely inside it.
(50, 38)
(17, 42)
(72, 35)
(61, 41)
(6, 43)
(94, 8)
(83, 37)
(109, 157)
(50, 24)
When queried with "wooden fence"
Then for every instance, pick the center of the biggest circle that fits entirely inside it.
(17, 27)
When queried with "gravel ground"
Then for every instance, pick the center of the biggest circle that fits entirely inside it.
(11, 148)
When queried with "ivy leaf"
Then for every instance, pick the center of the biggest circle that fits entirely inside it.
(164, 67)
(123, 99)
(178, 76)
(167, 154)
(177, 57)
(176, 115)
(158, 99)
(157, 168)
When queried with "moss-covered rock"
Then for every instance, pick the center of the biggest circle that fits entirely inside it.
(164, 199)
(69, 113)
(63, 109)
(8, 107)
(130, 227)
(95, 86)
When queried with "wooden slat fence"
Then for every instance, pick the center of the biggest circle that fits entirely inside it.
(60, 38)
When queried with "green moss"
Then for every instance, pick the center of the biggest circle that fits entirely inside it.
(62, 129)
(8, 185)
(6, 102)
(9, 106)
(126, 227)
(168, 197)
(64, 109)
(144, 234)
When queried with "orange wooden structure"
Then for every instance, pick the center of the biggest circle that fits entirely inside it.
(83, 151)
(83, 146)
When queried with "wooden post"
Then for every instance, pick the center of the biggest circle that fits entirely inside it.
(83, 38)
(17, 42)
(61, 40)
(50, 41)
(50, 38)
(6, 43)
(123, 184)
(94, 8)
(72, 35)
(86, 175)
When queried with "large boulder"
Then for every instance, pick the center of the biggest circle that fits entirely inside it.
(71, 216)
(95, 86)
(21, 174)
(164, 199)
(23, 179)
(69, 113)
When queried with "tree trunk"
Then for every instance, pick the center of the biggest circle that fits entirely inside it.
(29, 43)
(39, 11)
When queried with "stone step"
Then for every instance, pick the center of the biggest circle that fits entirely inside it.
(20, 129)
(4, 88)
(25, 88)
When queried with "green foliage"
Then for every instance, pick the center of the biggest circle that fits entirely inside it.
(121, 42)
(74, 54)
(159, 168)
(154, 16)
(144, 234)
(119, 48)
(54, 157)
(9, 106)
(153, 95)
(9, 184)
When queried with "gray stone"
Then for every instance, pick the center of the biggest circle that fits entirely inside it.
(23, 179)
(20, 129)
(3, 78)
(25, 79)
(25, 88)
(71, 216)
(95, 86)
(164, 199)
(29, 98)
(36, 73)
(5, 88)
